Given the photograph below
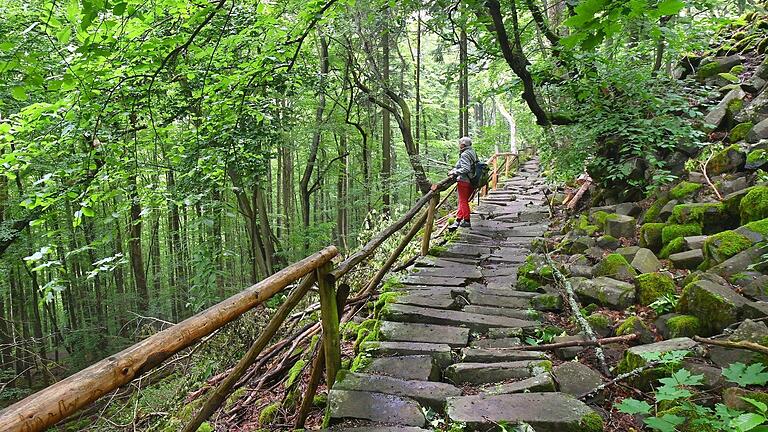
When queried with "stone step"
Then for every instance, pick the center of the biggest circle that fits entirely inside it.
(475, 322)
(342, 428)
(440, 353)
(375, 407)
(500, 271)
(545, 412)
(416, 279)
(501, 282)
(539, 383)
(484, 373)
(497, 343)
(426, 333)
(413, 367)
(523, 314)
(485, 290)
(427, 393)
(462, 273)
(440, 299)
(432, 262)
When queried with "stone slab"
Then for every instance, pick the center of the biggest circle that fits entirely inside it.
(545, 412)
(475, 322)
(497, 342)
(427, 393)
(414, 367)
(575, 378)
(539, 383)
(376, 407)
(484, 373)
(523, 314)
(416, 279)
(425, 333)
(441, 353)
(441, 299)
(514, 302)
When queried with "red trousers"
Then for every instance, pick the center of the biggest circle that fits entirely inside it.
(465, 190)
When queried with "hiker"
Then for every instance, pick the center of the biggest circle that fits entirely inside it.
(464, 171)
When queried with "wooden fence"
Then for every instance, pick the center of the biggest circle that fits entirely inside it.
(64, 398)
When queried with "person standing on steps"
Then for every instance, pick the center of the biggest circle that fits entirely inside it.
(464, 171)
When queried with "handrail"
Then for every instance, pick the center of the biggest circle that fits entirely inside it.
(60, 400)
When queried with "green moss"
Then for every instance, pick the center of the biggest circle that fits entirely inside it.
(392, 283)
(739, 132)
(591, 422)
(294, 372)
(614, 264)
(708, 70)
(671, 232)
(652, 214)
(598, 321)
(651, 286)
(384, 299)
(599, 218)
(721, 160)
(437, 250)
(367, 331)
(205, 427)
(697, 213)
(718, 311)
(756, 156)
(735, 105)
(650, 235)
(737, 69)
(754, 205)
(524, 283)
(684, 189)
(673, 247)
(360, 362)
(269, 413)
(547, 302)
(683, 326)
(320, 400)
(760, 226)
(724, 245)
(630, 325)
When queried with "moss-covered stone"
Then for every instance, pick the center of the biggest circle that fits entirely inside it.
(651, 286)
(754, 206)
(652, 214)
(760, 226)
(547, 302)
(723, 245)
(635, 325)
(269, 413)
(709, 215)
(757, 158)
(716, 306)
(650, 236)
(673, 247)
(598, 218)
(673, 231)
(615, 266)
(598, 320)
(730, 158)
(684, 189)
(524, 283)
(591, 422)
(708, 70)
(739, 132)
(683, 326)
(320, 400)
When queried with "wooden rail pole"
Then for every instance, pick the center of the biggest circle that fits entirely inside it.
(495, 179)
(506, 165)
(224, 389)
(329, 315)
(58, 401)
(428, 224)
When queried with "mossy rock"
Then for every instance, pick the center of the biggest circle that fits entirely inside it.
(683, 326)
(754, 205)
(723, 245)
(652, 214)
(526, 284)
(635, 325)
(707, 301)
(673, 247)
(615, 266)
(756, 159)
(650, 236)
(673, 231)
(708, 70)
(651, 286)
(547, 302)
(760, 227)
(730, 158)
(598, 218)
(684, 189)
(591, 422)
(269, 413)
(712, 217)
(600, 323)
(740, 131)
(762, 46)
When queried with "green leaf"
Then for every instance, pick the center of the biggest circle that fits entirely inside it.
(87, 212)
(744, 376)
(119, 8)
(670, 7)
(665, 423)
(757, 404)
(633, 406)
(19, 93)
(747, 421)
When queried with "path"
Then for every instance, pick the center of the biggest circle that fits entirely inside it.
(443, 341)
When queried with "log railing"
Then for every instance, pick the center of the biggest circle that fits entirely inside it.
(64, 398)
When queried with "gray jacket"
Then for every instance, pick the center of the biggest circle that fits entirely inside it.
(465, 164)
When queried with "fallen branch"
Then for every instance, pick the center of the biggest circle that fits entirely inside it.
(706, 177)
(751, 346)
(620, 378)
(584, 343)
(576, 309)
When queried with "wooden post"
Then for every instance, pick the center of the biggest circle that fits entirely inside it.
(506, 165)
(428, 225)
(329, 315)
(495, 178)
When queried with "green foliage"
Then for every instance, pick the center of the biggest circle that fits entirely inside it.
(744, 375)
(664, 304)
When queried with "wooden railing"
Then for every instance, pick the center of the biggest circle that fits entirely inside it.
(64, 398)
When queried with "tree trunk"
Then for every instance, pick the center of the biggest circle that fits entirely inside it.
(463, 85)
(134, 246)
(511, 121)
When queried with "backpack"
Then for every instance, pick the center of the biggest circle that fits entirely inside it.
(480, 174)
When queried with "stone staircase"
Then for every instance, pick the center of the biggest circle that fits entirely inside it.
(446, 339)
